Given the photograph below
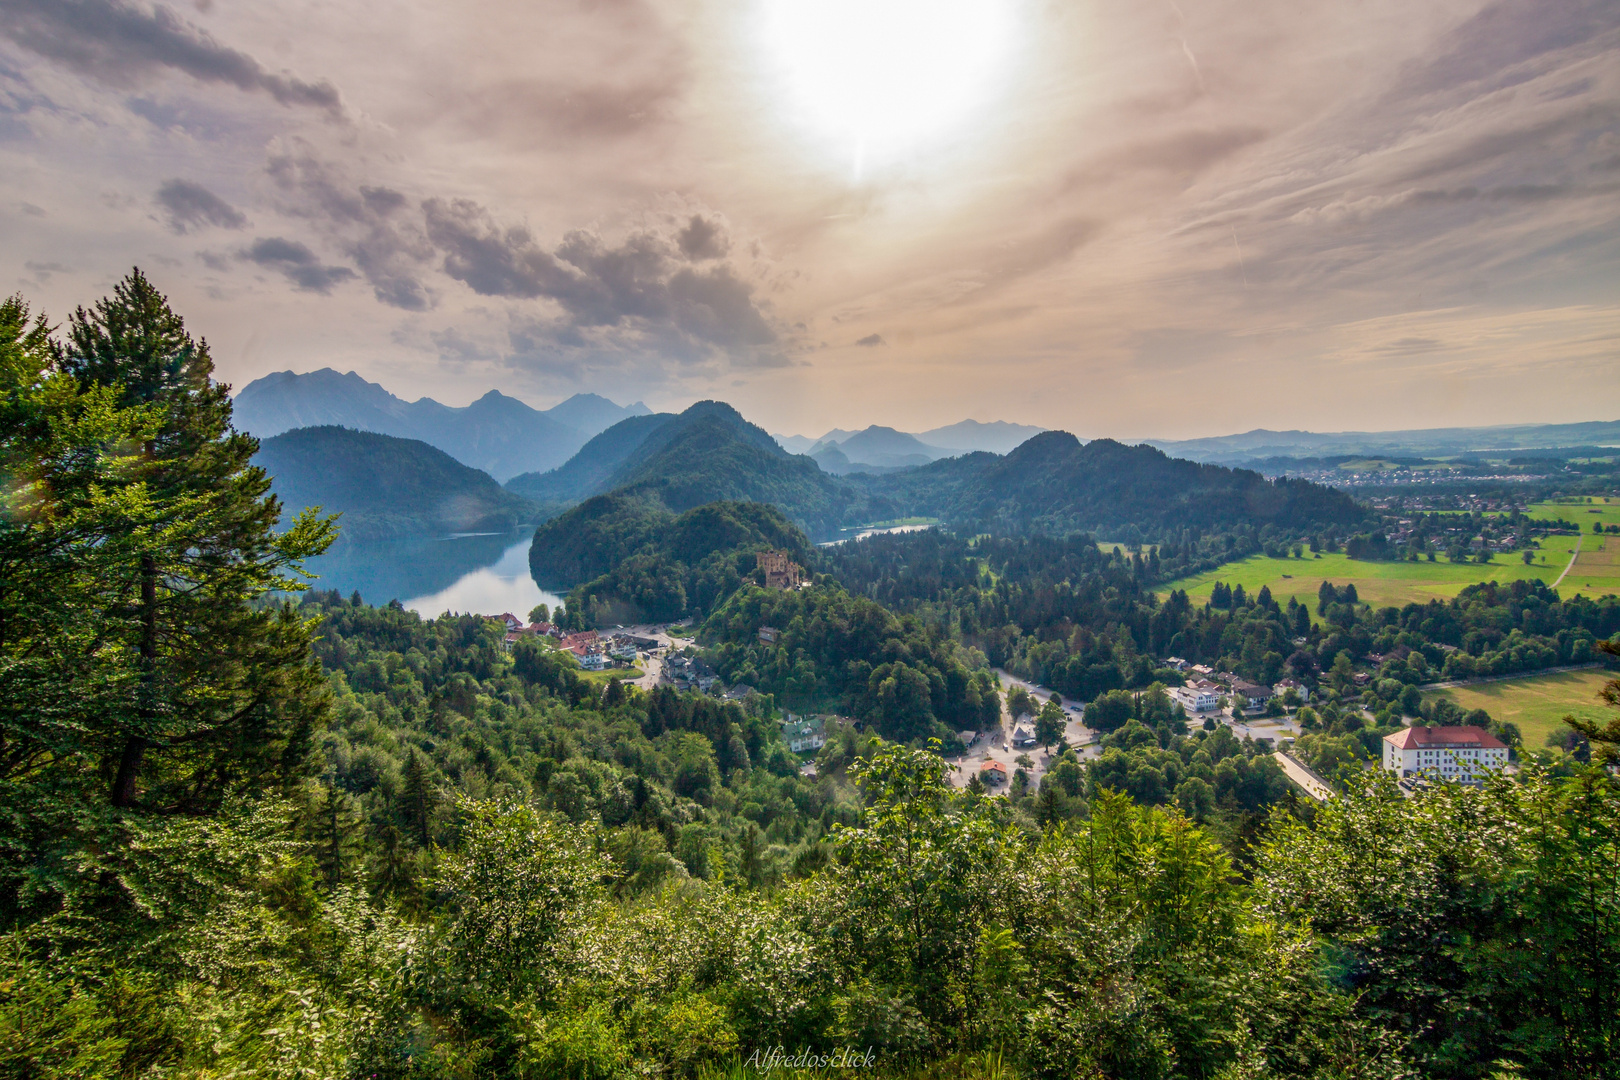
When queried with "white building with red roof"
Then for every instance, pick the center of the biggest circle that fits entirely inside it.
(1444, 753)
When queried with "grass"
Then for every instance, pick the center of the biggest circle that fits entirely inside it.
(629, 674)
(1537, 704)
(1378, 583)
(1581, 513)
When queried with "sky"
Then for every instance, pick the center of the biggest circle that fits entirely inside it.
(1159, 219)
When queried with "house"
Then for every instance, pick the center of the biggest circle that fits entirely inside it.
(1296, 686)
(593, 661)
(1196, 698)
(966, 737)
(993, 772)
(579, 643)
(1203, 670)
(739, 692)
(767, 634)
(1464, 754)
(1175, 662)
(1250, 695)
(803, 733)
(1023, 737)
(512, 621)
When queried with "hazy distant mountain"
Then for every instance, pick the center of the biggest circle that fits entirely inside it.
(998, 437)
(385, 486)
(1258, 444)
(497, 434)
(1054, 484)
(874, 450)
(881, 450)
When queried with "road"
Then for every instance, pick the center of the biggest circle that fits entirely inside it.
(1572, 557)
(1301, 776)
(995, 746)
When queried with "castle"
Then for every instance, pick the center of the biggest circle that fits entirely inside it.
(781, 572)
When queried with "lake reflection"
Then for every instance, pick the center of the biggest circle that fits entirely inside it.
(486, 574)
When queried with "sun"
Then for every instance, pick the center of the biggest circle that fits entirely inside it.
(878, 79)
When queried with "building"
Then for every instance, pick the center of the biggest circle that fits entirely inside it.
(1250, 695)
(1444, 753)
(1296, 686)
(781, 572)
(993, 772)
(1196, 698)
(804, 733)
(767, 634)
(579, 643)
(1023, 737)
(593, 661)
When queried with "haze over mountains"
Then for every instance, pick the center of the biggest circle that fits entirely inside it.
(497, 434)
(1261, 443)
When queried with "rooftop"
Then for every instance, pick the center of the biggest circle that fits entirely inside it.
(1422, 738)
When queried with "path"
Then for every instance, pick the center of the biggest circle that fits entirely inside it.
(1307, 780)
(1572, 557)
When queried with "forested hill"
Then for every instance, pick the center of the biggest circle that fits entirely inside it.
(385, 486)
(707, 453)
(1053, 484)
(632, 559)
(584, 474)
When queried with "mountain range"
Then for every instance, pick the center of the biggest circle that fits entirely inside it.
(497, 434)
(884, 448)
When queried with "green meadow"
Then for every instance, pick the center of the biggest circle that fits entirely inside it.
(1378, 583)
(1537, 704)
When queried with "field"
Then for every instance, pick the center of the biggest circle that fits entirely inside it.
(1581, 513)
(1378, 583)
(1537, 704)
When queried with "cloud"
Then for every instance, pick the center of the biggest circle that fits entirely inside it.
(378, 229)
(871, 339)
(703, 239)
(638, 284)
(189, 206)
(297, 263)
(120, 43)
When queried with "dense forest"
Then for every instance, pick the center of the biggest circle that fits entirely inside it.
(386, 487)
(248, 832)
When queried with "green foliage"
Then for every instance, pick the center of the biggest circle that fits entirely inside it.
(386, 487)
(1480, 924)
(635, 561)
(908, 682)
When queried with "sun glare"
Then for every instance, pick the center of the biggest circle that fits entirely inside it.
(879, 78)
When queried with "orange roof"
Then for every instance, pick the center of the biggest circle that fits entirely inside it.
(992, 766)
(1422, 738)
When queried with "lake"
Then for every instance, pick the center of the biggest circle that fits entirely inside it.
(482, 573)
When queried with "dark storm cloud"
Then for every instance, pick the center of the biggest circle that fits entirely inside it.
(702, 239)
(638, 283)
(188, 206)
(379, 233)
(297, 263)
(120, 43)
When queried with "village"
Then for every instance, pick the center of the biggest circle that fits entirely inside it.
(1012, 755)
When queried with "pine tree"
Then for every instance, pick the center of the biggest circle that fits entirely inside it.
(417, 799)
(333, 835)
(227, 694)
